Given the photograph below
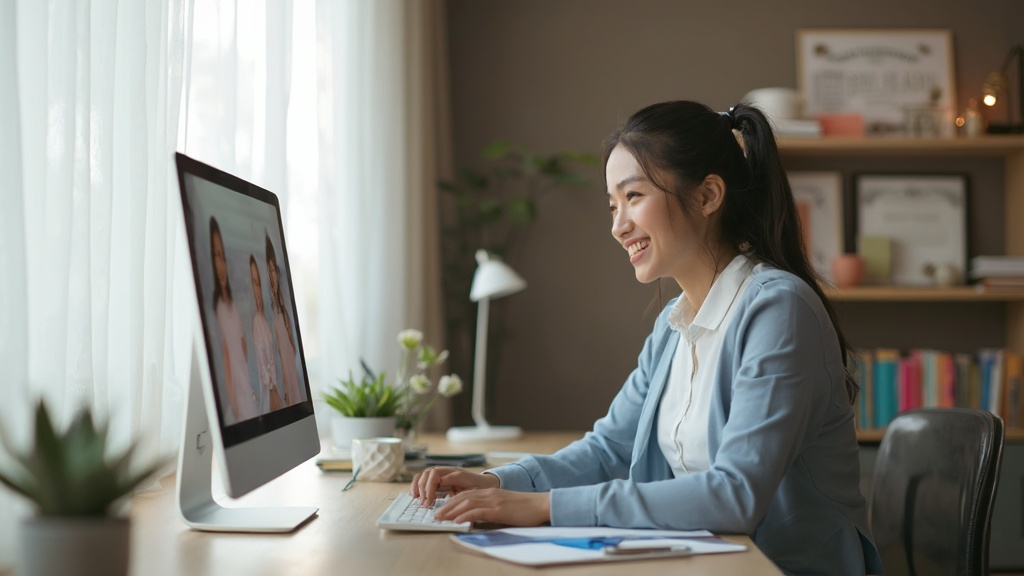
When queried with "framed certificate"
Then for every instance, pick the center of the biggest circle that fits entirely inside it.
(924, 218)
(899, 81)
(819, 203)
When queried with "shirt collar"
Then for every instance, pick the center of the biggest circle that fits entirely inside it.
(718, 302)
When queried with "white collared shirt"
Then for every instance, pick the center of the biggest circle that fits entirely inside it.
(686, 400)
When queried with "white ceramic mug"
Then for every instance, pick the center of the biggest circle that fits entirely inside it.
(378, 459)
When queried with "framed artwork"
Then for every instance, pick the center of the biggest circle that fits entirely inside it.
(899, 82)
(819, 203)
(921, 218)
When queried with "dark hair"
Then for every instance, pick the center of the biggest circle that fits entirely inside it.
(690, 141)
(275, 295)
(253, 264)
(215, 229)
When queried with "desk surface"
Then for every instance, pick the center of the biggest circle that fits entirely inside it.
(344, 539)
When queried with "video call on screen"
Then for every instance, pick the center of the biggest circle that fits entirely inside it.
(246, 302)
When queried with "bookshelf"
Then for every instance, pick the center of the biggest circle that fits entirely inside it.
(982, 154)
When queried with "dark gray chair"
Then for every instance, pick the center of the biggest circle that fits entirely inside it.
(934, 486)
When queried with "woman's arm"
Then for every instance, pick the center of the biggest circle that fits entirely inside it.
(780, 363)
(606, 452)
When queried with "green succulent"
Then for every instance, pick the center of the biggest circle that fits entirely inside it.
(368, 397)
(69, 473)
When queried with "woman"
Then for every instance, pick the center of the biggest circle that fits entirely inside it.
(283, 331)
(263, 342)
(241, 398)
(738, 418)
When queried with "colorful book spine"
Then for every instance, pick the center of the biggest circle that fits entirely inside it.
(886, 374)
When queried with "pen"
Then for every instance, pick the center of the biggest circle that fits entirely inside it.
(352, 481)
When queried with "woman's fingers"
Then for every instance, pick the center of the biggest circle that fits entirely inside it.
(498, 506)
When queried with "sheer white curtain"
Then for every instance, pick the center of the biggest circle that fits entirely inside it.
(89, 114)
(337, 105)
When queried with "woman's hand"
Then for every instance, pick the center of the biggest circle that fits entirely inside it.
(497, 506)
(426, 484)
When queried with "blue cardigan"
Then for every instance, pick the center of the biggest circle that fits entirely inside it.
(781, 442)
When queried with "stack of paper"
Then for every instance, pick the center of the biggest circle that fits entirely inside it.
(998, 272)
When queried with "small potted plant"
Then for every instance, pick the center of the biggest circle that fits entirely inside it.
(77, 488)
(373, 406)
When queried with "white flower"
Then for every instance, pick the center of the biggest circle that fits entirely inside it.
(449, 385)
(419, 383)
(410, 339)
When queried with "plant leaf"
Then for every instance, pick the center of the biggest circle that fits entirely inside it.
(497, 150)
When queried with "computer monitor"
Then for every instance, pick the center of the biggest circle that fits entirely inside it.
(249, 403)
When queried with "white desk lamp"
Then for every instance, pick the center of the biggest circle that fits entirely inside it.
(493, 279)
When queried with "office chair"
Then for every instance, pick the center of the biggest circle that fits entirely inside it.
(934, 486)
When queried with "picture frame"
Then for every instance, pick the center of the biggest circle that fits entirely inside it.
(898, 81)
(923, 217)
(819, 201)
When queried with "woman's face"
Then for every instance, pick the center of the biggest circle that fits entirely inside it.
(220, 263)
(649, 223)
(257, 288)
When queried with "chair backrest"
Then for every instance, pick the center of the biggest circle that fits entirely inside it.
(934, 484)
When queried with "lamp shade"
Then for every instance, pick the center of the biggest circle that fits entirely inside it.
(493, 278)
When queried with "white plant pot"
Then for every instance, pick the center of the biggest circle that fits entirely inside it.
(345, 429)
(52, 546)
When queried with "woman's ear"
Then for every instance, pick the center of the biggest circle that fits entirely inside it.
(711, 194)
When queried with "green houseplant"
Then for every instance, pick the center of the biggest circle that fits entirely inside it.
(76, 486)
(373, 405)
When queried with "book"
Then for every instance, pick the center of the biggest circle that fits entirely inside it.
(551, 546)
(885, 390)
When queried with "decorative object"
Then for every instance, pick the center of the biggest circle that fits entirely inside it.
(997, 83)
(819, 202)
(493, 279)
(77, 489)
(899, 81)
(372, 406)
(345, 429)
(377, 459)
(924, 217)
(847, 270)
(876, 251)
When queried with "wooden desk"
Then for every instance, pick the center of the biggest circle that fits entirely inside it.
(344, 539)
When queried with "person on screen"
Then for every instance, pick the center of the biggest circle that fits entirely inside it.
(283, 331)
(241, 398)
(738, 417)
(263, 342)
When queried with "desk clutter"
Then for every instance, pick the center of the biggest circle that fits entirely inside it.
(415, 460)
(892, 381)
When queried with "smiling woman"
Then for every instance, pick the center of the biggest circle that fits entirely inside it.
(738, 417)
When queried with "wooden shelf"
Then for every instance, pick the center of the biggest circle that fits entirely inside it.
(874, 436)
(908, 294)
(997, 146)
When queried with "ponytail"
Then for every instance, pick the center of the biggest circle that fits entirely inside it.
(768, 218)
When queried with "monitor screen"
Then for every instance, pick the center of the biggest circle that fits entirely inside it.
(246, 302)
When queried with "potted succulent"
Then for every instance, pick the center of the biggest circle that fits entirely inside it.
(374, 406)
(77, 488)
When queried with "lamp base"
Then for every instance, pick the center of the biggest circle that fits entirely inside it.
(483, 433)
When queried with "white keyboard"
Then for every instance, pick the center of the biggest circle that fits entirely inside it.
(405, 513)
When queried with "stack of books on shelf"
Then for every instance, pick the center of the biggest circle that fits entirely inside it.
(995, 273)
(892, 382)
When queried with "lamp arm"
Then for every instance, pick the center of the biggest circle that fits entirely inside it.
(480, 362)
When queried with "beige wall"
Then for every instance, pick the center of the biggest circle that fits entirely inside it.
(556, 74)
